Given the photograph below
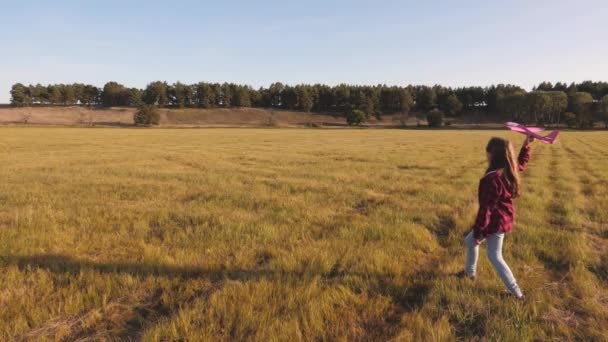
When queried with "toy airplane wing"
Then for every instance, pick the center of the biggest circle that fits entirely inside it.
(514, 126)
(533, 132)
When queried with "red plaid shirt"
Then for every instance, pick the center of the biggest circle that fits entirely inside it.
(496, 212)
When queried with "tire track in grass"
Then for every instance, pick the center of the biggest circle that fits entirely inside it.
(592, 273)
(590, 182)
(592, 147)
(561, 218)
(584, 164)
(591, 186)
(560, 255)
(599, 142)
(557, 208)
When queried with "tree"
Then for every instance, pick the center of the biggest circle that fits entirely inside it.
(39, 94)
(156, 94)
(406, 102)
(389, 99)
(570, 119)
(558, 102)
(581, 106)
(242, 96)
(255, 97)
(442, 94)
(146, 115)
(341, 97)
(371, 102)
(472, 97)
(571, 89)
(227, 95)
(304, 97)
(92, 95)
(115, 94)
(289, 98)
(454, 106)
(275, 91)
(494, 93)
(54, 94)
(545, 105)
(78, 92)
(355, 117)
(435, 118)
(20, 95)
(426, 98)
(204, 95)
(363, 99)
(604, 110)
(559, 86)
(179, 95)
(544, 86)
(68, 96)
(324, 98)
(537, 105)
(136, 97)
(512, 105)
(216, 93)
(596, 89)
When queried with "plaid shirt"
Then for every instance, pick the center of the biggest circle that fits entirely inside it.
(496, 212)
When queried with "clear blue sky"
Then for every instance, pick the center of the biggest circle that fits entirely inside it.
(453, 43)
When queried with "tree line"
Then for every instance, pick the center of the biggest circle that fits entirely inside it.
(576, 104)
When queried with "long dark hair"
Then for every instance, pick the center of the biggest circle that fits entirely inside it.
(503, 158)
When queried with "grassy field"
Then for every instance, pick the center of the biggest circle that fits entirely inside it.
(286, 234)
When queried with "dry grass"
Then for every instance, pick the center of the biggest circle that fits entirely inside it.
(227, 234)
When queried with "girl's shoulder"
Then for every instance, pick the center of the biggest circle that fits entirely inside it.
(495, 177)
(492, 174)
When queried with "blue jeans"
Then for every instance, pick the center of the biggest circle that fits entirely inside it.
(494, 252)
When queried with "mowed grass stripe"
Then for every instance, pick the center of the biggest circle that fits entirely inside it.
(586, 281)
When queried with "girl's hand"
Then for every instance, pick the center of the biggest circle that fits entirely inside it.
(529, 140)
(478, 241)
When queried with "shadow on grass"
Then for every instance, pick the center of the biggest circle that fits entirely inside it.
(57, 263)
(410, 298)
(446, 224)
(554, 263)
(405, 298)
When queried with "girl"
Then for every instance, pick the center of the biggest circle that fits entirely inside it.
(497, 189)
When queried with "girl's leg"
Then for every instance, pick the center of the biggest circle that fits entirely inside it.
(494, 250)
(470, 267)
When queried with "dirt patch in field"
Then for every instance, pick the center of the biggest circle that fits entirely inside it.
(68, 116)
(187, 117)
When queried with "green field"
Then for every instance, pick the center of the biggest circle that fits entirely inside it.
(286, 234)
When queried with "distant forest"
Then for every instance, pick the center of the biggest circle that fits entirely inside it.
(576, 104)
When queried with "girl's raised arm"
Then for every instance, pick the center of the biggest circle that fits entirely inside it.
(524, 153)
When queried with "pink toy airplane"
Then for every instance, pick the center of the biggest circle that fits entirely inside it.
(532, 131)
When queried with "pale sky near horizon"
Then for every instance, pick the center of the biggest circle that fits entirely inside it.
(453, 43)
